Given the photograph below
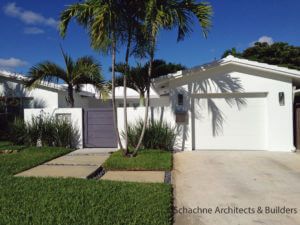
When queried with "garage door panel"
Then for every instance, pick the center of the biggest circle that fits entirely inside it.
(242, 129)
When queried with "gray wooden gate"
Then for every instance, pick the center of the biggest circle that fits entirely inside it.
(99, 128)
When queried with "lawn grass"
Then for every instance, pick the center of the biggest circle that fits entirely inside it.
(145, 160)
(6, 145)
(75, 201)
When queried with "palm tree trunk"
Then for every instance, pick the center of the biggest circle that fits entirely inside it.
(125, 115)
(125, 94)
(71, 95)
(148, 96)
(142, 99)
(113, 81)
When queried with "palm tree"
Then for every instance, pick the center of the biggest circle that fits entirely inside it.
(137, 77)
(131, 31)
(168, 14)
(102, 20)
(84, 70)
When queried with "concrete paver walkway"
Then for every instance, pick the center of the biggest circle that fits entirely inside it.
(135, 176)
(78, 164)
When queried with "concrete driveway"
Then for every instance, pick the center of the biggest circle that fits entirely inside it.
(228, 187)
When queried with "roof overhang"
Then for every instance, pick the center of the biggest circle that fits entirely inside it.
(227, 64)
(21, 78)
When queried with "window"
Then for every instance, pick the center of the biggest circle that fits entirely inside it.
(15, 105)
(180, 99)
(64, 116)
(28, 103)
(281, 99)
(122, 105)
(2, 105)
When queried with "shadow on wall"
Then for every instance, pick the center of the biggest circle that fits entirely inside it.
(203, 86)
(19, 91)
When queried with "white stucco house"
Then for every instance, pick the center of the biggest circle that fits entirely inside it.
(229, 104)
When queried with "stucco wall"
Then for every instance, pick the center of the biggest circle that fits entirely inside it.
(279, 119)
(159, 114)
(81, 101)
(277, 129)
(42, 97)
(76, 117)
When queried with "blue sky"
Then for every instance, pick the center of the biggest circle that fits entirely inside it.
(29, 34)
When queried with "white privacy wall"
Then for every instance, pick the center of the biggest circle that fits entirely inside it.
(76, 117)
(161, 113)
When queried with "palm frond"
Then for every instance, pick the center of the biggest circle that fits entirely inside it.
(69, 63)
(88, 71)
(81, 12)
(86, 66)
(203, 12)
(46, 71)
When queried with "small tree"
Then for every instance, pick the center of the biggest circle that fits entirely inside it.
(137, 77)
(76, 73)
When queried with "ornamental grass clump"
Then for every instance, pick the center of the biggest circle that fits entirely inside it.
(44, 131)
(158, 135)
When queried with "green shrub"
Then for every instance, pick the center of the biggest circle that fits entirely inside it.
(18, 132)
(158, 135)
(65, 134)
(34, 130)
(49, 131)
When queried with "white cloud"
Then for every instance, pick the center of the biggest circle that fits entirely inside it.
(33, 30)
(28, 17)
(264, 39)
(12, 63)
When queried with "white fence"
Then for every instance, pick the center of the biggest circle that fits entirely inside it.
(166, 114)
(72, 114)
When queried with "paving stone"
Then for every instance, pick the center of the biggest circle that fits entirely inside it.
(81, 160)
(59, 171)
(135, 176)
(77, 164)
(92, 151)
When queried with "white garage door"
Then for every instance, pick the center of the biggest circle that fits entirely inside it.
(242, 129)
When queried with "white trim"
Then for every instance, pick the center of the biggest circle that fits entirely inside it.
(233, 61)
(230, 95)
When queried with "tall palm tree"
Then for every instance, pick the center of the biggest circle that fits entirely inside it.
(84, 70)
(102, 20)
(168, 14)
(131, 31)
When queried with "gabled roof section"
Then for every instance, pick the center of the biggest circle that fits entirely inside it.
(21, 78)
(44, 84)
(231, 60)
